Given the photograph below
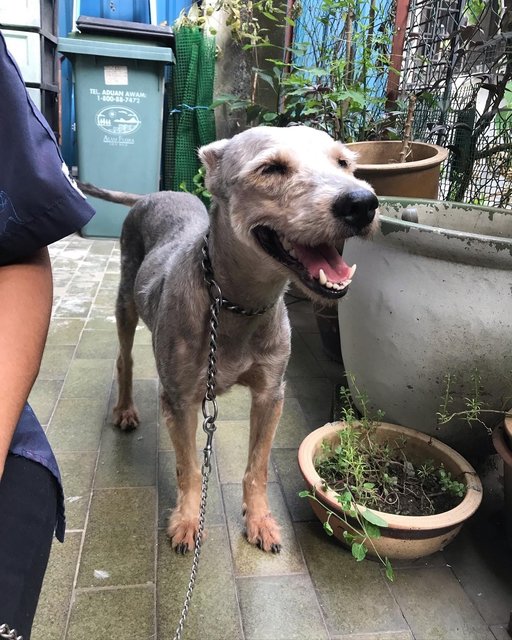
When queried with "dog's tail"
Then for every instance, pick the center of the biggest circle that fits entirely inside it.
(120, 197)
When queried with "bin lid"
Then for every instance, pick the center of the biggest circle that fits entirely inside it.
(113, 47)
(157, 34)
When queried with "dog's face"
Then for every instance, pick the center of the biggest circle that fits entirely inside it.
(291, 195)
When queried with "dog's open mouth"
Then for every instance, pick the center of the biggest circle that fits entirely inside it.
(321, 268)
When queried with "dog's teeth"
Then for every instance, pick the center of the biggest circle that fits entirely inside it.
(344, 285)
(328, 284)
(292, 252)
(322, 277)
(352, 271)
(336, 286)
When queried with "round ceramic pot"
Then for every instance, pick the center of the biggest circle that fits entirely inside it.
(431, 298)
(418, 177)
(405, 537)
(503, 445)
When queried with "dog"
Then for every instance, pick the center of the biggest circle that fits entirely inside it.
(284, 200)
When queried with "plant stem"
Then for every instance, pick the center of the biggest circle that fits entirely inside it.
(406, 141)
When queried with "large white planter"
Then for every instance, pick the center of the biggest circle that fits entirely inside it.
(429, 299)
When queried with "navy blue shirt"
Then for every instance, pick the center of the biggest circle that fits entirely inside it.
(39, 204)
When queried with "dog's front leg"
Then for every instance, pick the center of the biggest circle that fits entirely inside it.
(184, 519)
(262, 530)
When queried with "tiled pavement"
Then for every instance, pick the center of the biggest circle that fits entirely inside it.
(116, 577)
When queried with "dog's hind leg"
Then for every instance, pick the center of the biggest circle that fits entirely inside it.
(184, 520)
(125, 412)
(261, 528)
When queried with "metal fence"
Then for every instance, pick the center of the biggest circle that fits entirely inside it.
(458, 60)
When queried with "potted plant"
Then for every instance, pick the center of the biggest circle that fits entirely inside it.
(436, 277)
(385, 490)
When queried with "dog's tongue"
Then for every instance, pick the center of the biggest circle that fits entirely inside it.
(323, 257)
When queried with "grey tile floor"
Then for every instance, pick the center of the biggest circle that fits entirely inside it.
(115, 576)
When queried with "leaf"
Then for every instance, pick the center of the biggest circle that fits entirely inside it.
(268, 117)
(369, 485)
(389, 571)
(266, 78)
(373, 518)
(372, 531)
(348, 537)
(328, 529)
(225, 97)
(357, 97)
(359, 551)
(304, 494)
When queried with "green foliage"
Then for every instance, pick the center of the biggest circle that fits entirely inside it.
(241, 17)
(328, 82)
(199, 188)
(503, 119)
(450, 485)
(474, 10)
(475, 407)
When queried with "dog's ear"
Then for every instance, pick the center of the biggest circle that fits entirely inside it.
(211, 155)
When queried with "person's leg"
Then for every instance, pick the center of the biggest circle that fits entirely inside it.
(28, 508)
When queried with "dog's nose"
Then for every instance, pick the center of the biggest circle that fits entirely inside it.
(357, 208)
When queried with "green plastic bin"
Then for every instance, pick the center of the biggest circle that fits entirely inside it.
(119, 92)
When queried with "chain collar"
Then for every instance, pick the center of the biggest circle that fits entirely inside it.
(226, 304)
(9, 634)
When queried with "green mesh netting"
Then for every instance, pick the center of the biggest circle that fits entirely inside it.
(190, 122)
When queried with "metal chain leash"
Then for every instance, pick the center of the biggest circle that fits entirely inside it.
(9, 634)
(210, 412)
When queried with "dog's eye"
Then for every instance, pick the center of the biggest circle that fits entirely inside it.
(342, 163)
(274, 168)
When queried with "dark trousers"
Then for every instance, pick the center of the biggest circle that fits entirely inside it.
(28, 508)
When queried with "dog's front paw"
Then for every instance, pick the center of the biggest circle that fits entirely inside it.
(126, 418)
(182, 532)
(263, 531)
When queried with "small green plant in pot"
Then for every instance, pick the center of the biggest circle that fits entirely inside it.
(384, 490)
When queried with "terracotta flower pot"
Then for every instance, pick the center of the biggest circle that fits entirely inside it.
(377, 163)
(405, 537)
(502, 440)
